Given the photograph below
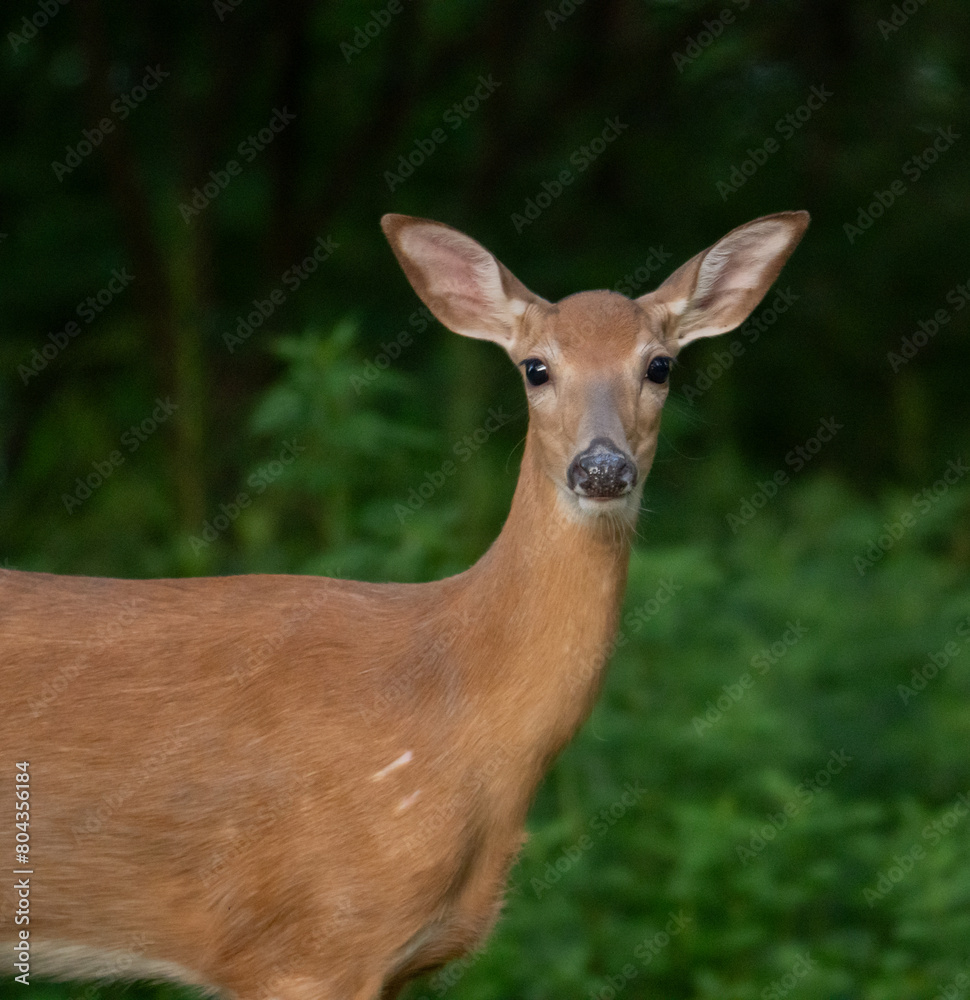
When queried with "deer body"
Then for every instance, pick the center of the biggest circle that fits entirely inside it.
(296, 787)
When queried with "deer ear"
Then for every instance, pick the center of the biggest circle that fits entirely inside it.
(466, 288)
(716, 291)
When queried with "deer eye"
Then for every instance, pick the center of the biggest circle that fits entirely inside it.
(658, 370)
(535, 371)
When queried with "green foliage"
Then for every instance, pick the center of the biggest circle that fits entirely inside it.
(775, 770)
(179, 432)
(780, 775)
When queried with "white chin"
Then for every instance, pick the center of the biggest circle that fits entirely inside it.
(613, 505)
(585, 510)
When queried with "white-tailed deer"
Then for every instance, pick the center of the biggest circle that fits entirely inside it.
(312, 789)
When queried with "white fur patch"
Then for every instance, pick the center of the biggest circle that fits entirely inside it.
(405, 758)
(63, 961)
(408, 801)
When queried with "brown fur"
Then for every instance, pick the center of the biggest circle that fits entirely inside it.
(298, 787)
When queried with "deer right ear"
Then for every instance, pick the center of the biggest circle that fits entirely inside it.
(465, 287)
(716, 291)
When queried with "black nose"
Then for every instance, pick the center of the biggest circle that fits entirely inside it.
(602, 471)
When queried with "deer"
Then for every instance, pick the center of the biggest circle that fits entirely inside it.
(282, 787)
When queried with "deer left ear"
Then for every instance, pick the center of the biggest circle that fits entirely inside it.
(468, 289)
(716, 291)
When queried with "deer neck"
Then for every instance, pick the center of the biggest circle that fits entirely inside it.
(542, 606)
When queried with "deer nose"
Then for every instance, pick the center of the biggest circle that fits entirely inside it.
(602, 471)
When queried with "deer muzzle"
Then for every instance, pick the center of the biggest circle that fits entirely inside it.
(602, 472)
